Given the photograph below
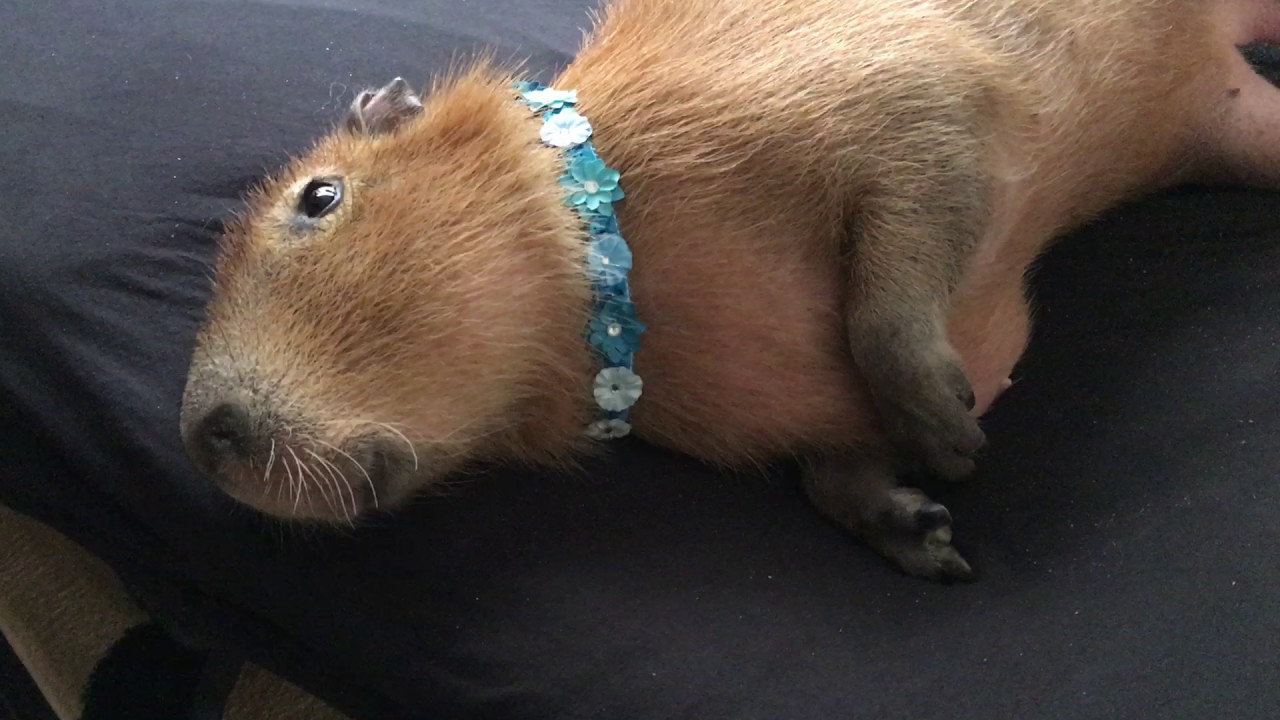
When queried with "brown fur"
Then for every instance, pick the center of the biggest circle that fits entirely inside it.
(783, 159)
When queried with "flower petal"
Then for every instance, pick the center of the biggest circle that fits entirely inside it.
(565, 129)
(608, 179)
(612, 250)
(608, 429)
(617, 389)
(600, 225)
(543, 97)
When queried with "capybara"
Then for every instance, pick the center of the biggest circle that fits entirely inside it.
(747, 230)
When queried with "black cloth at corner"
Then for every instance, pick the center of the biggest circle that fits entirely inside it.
(1123, 520)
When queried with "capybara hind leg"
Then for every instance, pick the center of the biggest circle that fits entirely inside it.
(902, 524)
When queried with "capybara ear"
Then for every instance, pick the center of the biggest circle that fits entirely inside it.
(380, 111)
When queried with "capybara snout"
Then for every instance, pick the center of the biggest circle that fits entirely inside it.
(269, 450)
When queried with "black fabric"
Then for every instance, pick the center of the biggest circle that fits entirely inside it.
(1123, 520)
(145, 675)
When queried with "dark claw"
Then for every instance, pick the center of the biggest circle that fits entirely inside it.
(969, 399)
(932, 516)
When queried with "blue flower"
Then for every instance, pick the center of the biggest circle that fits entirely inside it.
(617, 389)
(524, 86)
(565, 129)
(602, 224)
(608, 259)
(549, 98)
(608, 429)
(592, 185)
(614, 330)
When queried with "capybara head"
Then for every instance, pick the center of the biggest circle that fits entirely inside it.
(404, 297)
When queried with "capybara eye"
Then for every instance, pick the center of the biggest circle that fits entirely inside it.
(320, 197)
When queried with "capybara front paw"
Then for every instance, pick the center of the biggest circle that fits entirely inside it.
(929, 420)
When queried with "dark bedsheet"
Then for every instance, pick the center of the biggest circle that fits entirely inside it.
(1124, 520)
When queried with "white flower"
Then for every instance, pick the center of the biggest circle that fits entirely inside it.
(617, 389)
(566, 129)
(608, 429)
(550, 98)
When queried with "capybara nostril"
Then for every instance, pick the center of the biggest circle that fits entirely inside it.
(224, 433)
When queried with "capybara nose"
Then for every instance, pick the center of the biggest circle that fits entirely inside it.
(224, 434)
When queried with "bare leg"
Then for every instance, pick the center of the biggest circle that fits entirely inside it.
(902, 524)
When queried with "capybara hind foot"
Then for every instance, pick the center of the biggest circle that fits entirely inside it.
(901, 524)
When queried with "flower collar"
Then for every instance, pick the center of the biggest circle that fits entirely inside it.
(591, 188)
